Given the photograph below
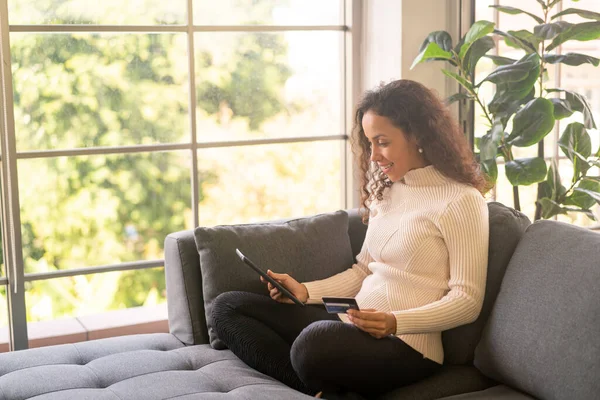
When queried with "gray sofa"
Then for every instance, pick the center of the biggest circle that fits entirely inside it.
(536, 337)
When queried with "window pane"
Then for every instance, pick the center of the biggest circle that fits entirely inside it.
(268, 12)
(94, 293)
(257, 85)
(109, 12)
(257, 183)
(484, 11)
(84, 90)
(98, 210)
(519, 21)
(4, 337)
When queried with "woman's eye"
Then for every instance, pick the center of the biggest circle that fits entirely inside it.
(382, 144)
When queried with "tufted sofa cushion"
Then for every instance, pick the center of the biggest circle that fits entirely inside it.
(156, 366)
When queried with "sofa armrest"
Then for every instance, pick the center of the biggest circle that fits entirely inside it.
(185, 301)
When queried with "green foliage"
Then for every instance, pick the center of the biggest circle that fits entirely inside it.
(252, 88)
(532, 123)
(522, 106)
(85, 90)
(526, 171)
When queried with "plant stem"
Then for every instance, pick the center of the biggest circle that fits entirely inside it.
(473, 92)
(517, 202)
(484, 110)
(538, 207)
(507, 152)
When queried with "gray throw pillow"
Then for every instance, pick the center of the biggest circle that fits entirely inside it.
(542, 334)
(308, 248)
(506, 228)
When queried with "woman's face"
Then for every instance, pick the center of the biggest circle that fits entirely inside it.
(390, 148)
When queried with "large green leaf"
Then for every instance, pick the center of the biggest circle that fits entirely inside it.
(543, 4)
(582, 13)
(594, 195)
(554, 183)
(458, 97)
(550, 208)
(478, 30)
(507, 100)
(525, 36)
(532, 123)
(510, 96)
(517, 72)
(526, 171)
(573, 59)
(442, 38)
(499, 60)
(562, 108)
(477, 50)
(555, 2)
(464, 82)
(431, 53)
(515, 11)
(490, 168)
(578, 103)
(576, 144)
(488, 145)
(550, 30)
(515, 42)
(544, 189)
(582, 198)
(581, 32)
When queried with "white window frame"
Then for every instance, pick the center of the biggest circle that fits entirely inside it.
(13, 254)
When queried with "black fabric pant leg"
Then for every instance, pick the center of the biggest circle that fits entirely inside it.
(336, 356)
(261, 331)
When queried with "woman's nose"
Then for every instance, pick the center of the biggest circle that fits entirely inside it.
(374, 155)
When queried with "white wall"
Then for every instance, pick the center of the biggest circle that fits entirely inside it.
(393, 31)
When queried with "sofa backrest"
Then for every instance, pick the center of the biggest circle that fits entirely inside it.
(506, 229)
(185, 300)
(542, 336)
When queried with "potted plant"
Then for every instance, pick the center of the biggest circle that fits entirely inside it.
(525, 108)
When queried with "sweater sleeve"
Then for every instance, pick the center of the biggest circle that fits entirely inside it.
(465, 229)
(344, 284)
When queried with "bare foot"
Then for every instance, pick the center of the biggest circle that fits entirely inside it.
(318, 395)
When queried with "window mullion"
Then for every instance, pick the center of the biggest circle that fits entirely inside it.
(11, 227)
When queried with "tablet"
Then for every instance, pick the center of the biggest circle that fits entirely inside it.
(272, 281)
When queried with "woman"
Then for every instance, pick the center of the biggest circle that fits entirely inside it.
(421, 270)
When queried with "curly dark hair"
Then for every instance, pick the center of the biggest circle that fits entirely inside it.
(420, 113)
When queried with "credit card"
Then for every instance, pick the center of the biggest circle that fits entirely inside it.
(337, 305)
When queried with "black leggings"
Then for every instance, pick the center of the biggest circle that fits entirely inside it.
(311, 350)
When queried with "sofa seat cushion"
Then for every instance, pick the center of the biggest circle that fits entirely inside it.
(155, 366)
(448, 381)
(499, 392)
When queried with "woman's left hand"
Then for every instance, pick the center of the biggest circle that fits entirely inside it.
(376, 323)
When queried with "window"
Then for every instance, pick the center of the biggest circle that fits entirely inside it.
(131, 125)
(584, 79)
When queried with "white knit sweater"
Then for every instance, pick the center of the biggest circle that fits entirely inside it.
(424, 259)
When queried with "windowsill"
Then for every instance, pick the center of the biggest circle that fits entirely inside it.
(129, 321)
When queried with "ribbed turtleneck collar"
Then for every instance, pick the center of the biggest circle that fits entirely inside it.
(426, 176)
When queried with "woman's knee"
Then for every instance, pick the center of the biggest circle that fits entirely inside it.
(315, 349)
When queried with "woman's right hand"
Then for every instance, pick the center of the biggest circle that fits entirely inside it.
(295, 287)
